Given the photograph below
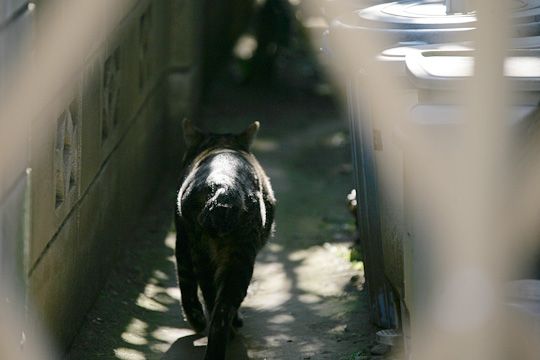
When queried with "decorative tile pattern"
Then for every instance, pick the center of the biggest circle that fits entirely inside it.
(83, 164)
(66, 159)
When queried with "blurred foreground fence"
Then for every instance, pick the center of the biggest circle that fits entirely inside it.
(442, 99)
(443, 105)
(82, 157)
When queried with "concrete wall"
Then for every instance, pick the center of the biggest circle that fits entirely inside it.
(94, 170)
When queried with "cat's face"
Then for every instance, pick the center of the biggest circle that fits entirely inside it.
(198, 141)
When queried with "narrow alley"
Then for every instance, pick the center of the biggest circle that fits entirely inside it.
(305, 300)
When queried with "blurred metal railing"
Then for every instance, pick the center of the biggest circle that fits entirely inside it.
(452, 181)
(459, 312)
(83, 118)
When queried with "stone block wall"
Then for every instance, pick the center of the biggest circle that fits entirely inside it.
(87, 169)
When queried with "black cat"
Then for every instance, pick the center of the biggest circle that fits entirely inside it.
(225, 214)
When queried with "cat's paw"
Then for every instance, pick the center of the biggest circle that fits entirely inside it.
(238, 321)
(197, 320)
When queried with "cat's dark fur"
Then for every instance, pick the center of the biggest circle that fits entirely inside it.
(225, 214)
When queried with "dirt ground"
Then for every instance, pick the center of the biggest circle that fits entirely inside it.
(306, 300)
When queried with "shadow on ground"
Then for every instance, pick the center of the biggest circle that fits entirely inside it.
(302, 303)
(305, 300)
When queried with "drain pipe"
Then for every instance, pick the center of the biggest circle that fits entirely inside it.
(459, 6)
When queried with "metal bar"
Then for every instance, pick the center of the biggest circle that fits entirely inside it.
(380, 295)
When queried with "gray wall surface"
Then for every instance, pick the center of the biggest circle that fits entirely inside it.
(93, 171)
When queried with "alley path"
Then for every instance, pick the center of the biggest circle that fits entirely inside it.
(302, 303)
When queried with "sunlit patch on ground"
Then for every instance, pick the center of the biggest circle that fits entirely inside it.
(170, 241)
(129, 354)
(322, 272)
(134, 339)
(171, 334)
(150, 304)
(135, 333)
(138, 315)
(174, 293)
(270, 280)
(282, 319)
(306, 299)
(201, 342)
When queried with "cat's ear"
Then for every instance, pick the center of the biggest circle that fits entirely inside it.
(248, 136)
(192, 135)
